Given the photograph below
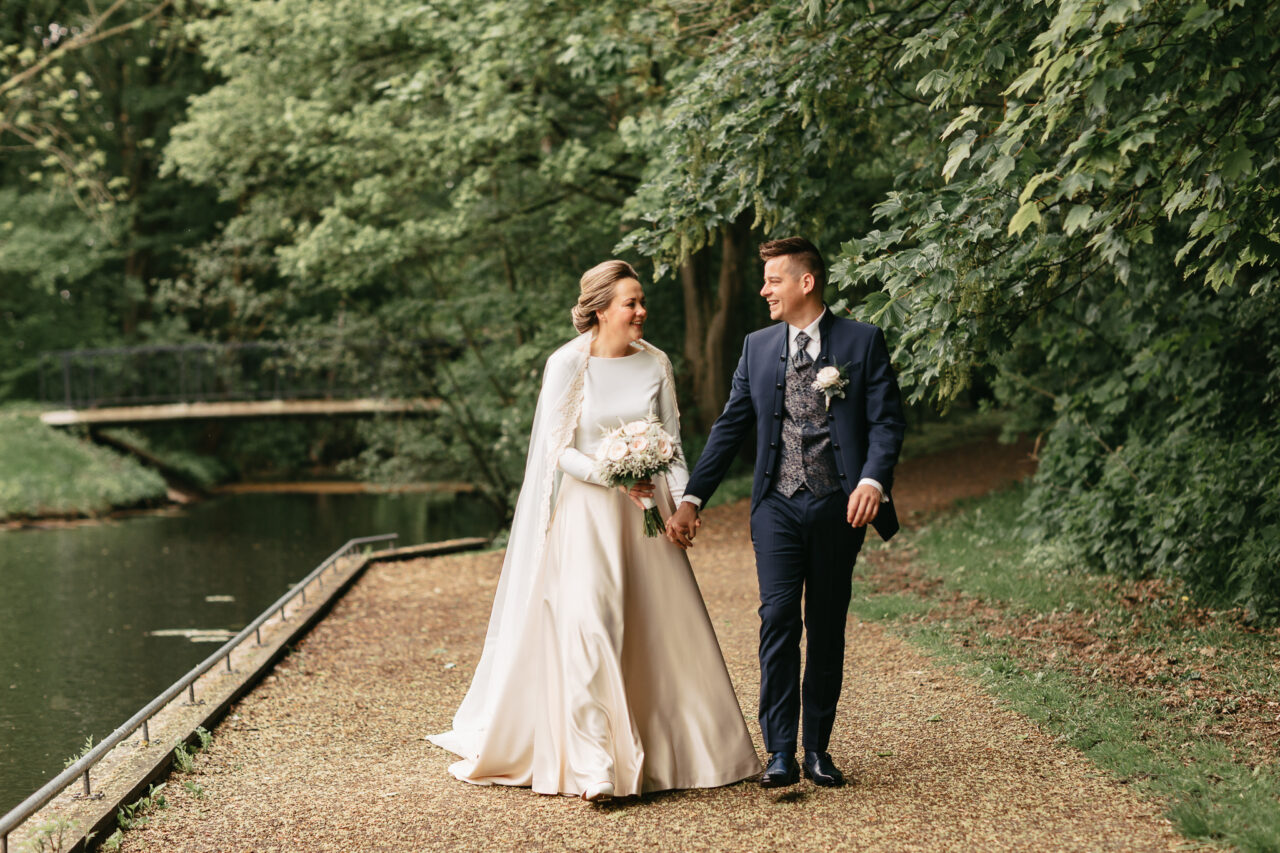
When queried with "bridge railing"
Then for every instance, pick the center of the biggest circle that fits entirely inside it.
(189, 373)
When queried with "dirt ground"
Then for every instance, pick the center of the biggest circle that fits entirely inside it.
(329, 753)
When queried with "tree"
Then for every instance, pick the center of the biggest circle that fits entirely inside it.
(762, 136)
(87, 230)
(419, 174)
(1082, 207)
(1102, 227)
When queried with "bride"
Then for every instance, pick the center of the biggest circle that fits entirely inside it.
(601, 675)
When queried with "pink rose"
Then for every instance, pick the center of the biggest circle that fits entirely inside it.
(665, 448)
(639, 444)
(617, 450)
(637, 428)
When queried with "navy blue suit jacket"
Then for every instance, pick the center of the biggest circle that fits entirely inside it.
(866, 424)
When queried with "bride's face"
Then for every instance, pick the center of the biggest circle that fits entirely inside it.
(626, 313)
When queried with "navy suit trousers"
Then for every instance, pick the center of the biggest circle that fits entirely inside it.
(804, 547)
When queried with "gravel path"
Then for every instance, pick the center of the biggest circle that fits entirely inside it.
(328, 754)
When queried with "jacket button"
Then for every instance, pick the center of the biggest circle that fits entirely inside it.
(831, 417)
(824, 358)
(782, 358)
(778, 386)
(773, 444)
(768, 473)
(777, 414)
(835, 447)
(843, 477)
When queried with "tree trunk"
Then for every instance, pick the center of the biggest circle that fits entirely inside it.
(134, 167)
(712, 338)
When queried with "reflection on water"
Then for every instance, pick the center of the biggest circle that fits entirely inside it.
(95, 620)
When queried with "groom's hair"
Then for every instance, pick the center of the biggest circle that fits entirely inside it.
(802, 252)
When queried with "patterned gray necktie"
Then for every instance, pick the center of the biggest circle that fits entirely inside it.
(801, 359)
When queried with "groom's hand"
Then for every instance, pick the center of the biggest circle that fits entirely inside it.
(864, 505)
(683, 525)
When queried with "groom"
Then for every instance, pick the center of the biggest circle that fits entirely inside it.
(823, 398)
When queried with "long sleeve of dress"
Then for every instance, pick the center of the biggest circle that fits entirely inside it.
(579, 465)
(669, 412)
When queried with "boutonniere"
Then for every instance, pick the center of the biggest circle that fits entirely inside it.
(831, 381)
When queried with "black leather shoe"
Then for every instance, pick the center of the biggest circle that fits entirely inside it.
(781, 772)
(819, 767)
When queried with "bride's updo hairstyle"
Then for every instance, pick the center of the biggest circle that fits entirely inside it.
(597, 286)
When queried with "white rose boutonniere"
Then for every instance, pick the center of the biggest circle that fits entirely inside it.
(831, 381)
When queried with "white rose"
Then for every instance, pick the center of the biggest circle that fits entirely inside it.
(827, 377)
(637, 428)
(617, 450)
(665, 448)
(639, 444)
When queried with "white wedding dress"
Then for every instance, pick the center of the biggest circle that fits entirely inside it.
(604, 666)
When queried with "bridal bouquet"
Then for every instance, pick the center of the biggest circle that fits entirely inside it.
(633, 452)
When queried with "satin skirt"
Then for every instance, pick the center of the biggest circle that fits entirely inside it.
(624, 680)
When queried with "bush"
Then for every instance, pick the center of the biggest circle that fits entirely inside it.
(1165, 459)
(1200, 508)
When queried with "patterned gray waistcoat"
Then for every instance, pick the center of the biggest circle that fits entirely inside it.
(807, 458)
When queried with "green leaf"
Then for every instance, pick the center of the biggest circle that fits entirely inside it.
(1236, 162)
(1033, 185)
(1002, 168)
(934, 80)
(967, 115)
(1134, 141)
(1028, 214)
(1025, 81)
(1077, 218)
(1056, 68)
(958, 154)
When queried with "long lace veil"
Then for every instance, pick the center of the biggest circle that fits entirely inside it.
(554, 422)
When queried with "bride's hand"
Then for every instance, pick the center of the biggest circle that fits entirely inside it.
(642, 489)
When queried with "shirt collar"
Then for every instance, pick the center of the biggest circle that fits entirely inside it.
(812, 330)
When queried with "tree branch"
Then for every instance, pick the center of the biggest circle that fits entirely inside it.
(89, 35)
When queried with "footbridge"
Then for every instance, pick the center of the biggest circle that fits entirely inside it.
(121, 385)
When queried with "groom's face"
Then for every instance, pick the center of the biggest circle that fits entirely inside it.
(787, 289)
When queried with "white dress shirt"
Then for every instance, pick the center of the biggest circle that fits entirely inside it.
(814, 347)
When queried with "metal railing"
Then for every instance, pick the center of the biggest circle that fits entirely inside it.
(238, 371)
(81, 768)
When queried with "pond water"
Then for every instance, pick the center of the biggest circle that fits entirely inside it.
(79, 605)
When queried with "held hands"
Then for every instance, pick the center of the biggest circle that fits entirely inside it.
(637, 493)
(864, 505)
(683, 525)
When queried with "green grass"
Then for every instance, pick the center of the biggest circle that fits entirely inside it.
(957, 429)
(732, 488)
(874, 606)
(1162, 733)
(985, 553)
(47, 472)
